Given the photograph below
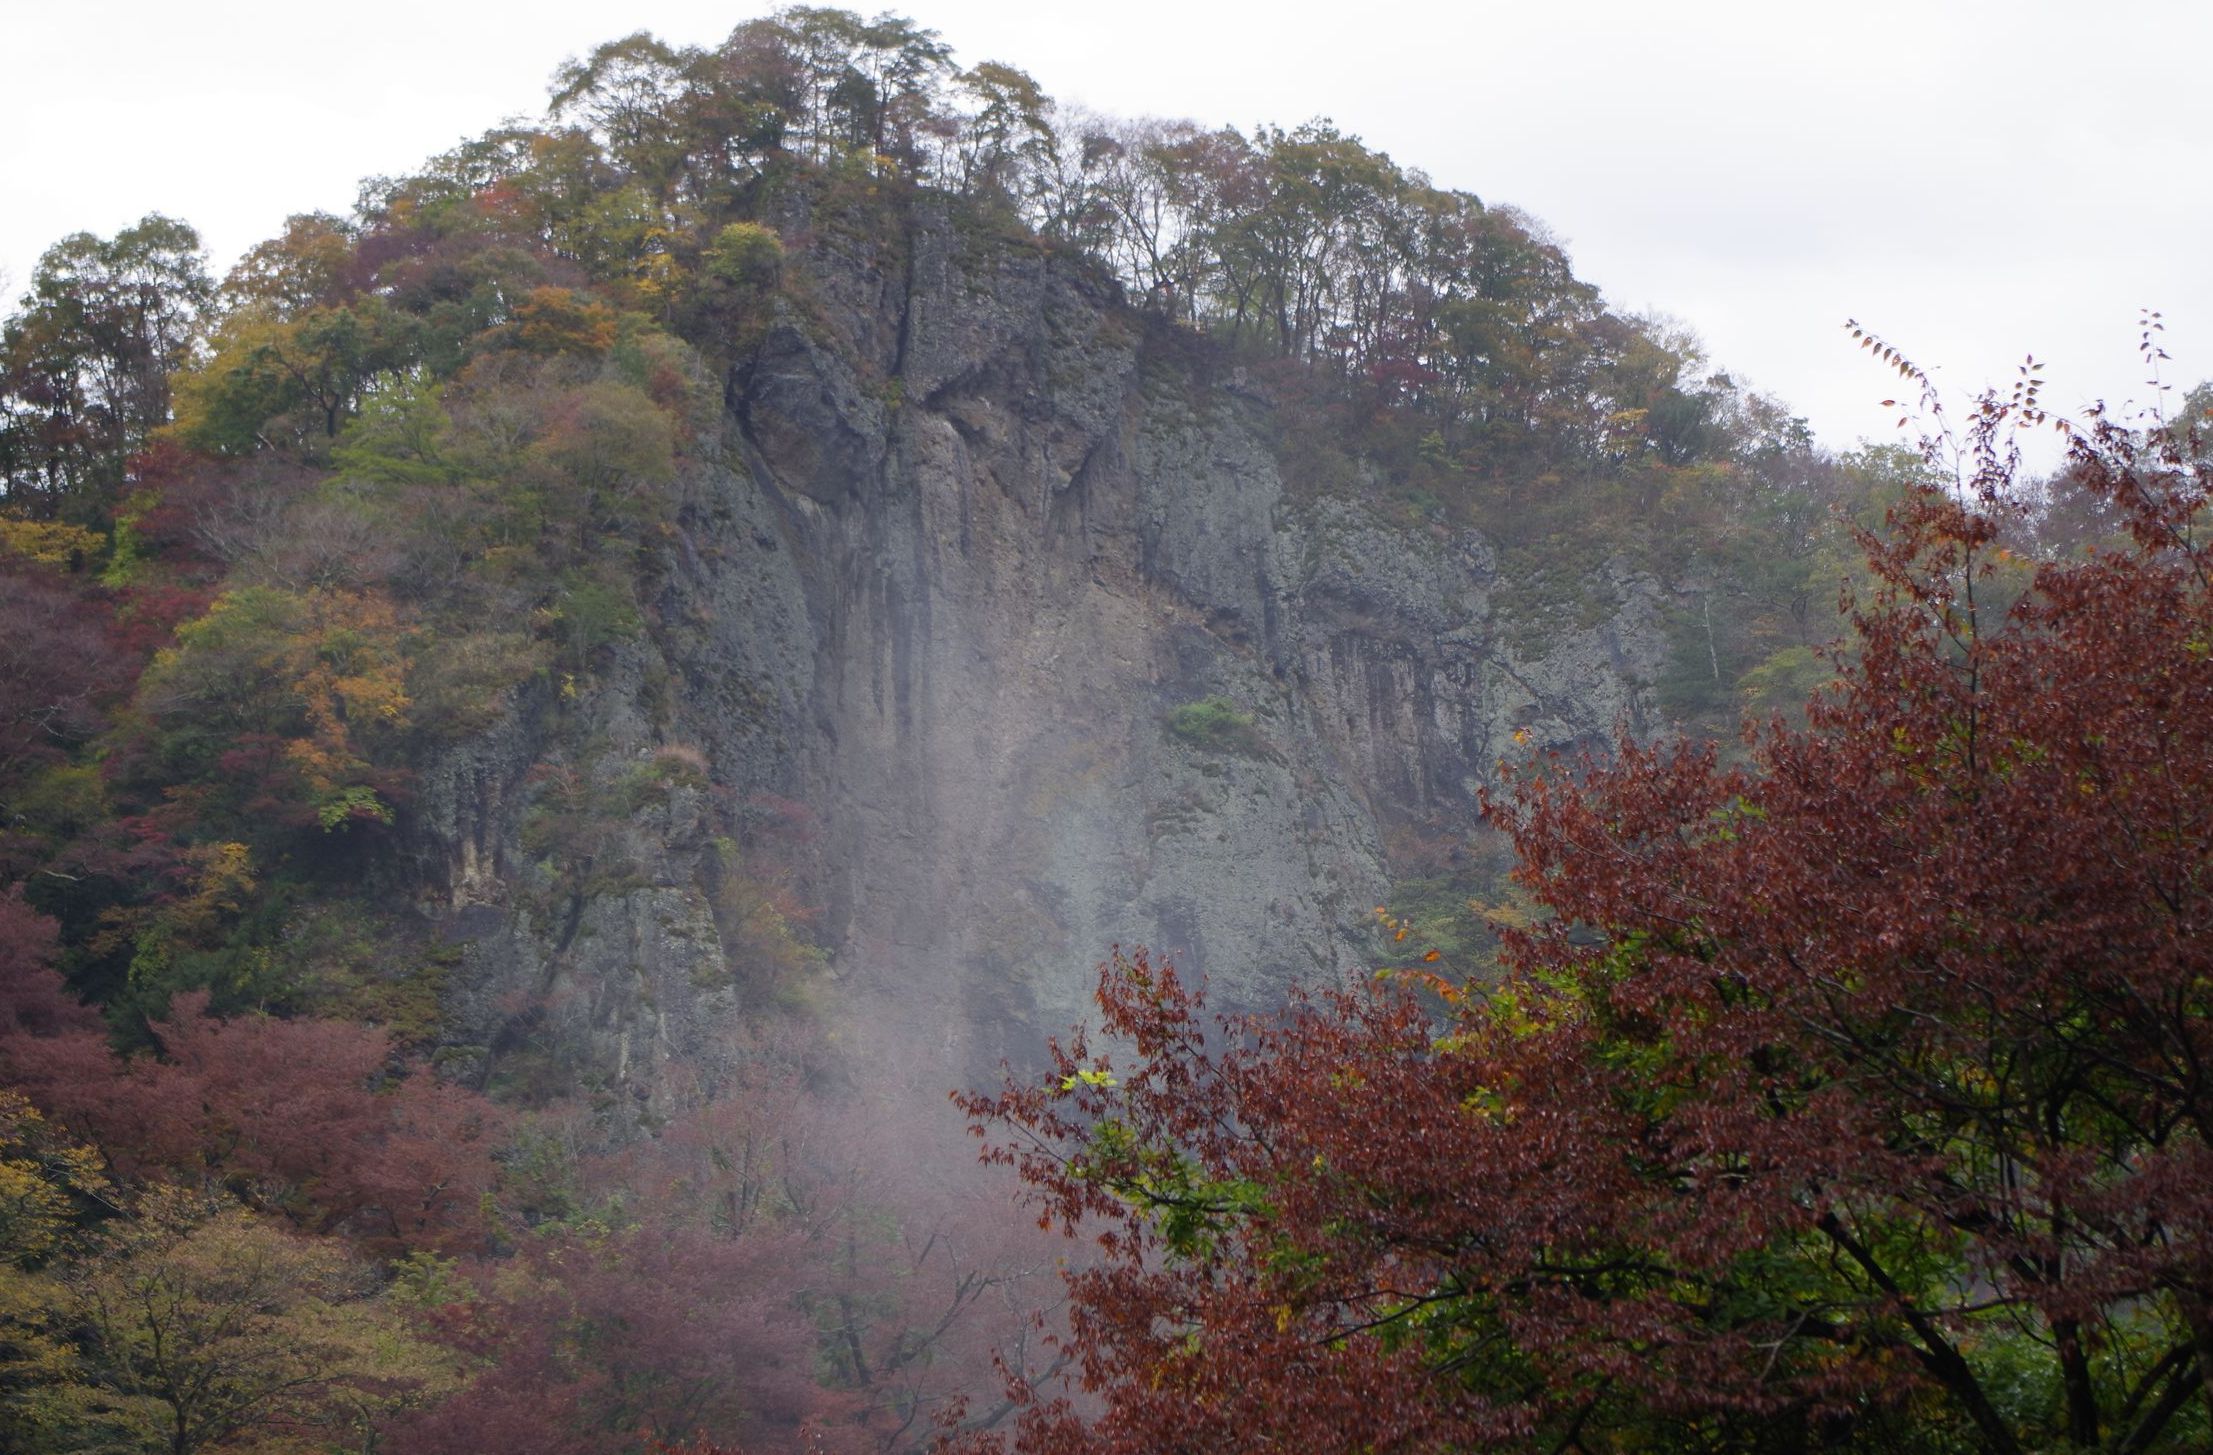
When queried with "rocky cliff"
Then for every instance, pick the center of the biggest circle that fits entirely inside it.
(1001, 578)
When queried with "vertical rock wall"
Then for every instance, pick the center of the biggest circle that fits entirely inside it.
(975, 533)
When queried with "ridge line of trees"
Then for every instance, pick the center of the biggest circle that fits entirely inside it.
(1293, 243)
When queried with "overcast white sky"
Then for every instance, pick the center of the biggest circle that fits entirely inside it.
(1975, 180)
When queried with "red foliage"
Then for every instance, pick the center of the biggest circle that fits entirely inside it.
(58, 667)
(264, 779)
(305, 1117)
(177, 491)
(150, 613)
(31, 998)
(52, 1048)
(592, 1336)
(1860, 1084)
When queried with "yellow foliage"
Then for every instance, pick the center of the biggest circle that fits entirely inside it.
(223, 877)
(659, 275)
(1510, 913)
(50, 542)
(745, 254)
(200, 402)
(198, 1325)
(562, 321)
(222, 882)
(41, 1176)
(323, 668)
(43, 1179)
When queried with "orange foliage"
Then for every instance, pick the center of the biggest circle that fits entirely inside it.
(562, 321)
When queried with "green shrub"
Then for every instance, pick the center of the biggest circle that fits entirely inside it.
(1215, 724)
(746, 255)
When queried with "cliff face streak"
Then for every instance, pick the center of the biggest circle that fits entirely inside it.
(975, 532)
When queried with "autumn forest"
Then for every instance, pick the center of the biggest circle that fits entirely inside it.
(568, 736)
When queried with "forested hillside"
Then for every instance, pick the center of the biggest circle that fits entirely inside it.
(545, 723)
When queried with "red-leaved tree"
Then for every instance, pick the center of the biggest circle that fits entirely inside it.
(308, 1118)
(1852, 1098)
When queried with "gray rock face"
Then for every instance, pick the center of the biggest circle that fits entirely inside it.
(967, 548)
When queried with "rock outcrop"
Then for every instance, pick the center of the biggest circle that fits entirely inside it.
(975, 533)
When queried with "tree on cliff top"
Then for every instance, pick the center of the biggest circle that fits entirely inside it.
(1856, 1098)
(85, 364)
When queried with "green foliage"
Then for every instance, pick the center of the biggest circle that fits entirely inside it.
(746, 256)
(61, 801)
(1782, 684)
(590, 613)
(214, 934)
(764, 938)
(416, 472)
(1217, 725)
(294, 381)
(397, 437)
(350, 960)
(461, 681)
(1450, 924)
(609, 444)
(354, 801)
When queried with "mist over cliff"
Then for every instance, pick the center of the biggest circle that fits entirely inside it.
(972, 632)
